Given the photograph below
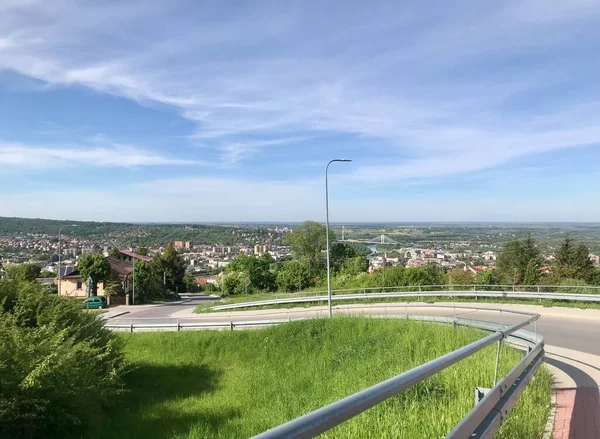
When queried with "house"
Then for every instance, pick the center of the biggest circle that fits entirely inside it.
(129, 256)
(73, 285)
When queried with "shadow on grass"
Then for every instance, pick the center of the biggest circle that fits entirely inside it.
(153, 405)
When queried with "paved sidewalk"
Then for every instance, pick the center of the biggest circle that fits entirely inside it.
(577, 376)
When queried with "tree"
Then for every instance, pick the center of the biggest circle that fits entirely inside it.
(144, 282)
(93, 266)
(23, 272)
(114, 253)
(257, 269)
(168, 269)
(292, 276)
(308, 242)
(460, 277)
(355, 265)
(113, 286)
(233, 283)
(573, 261)
(515, 257)
(532, 273)
(341, 252)
(142, 251)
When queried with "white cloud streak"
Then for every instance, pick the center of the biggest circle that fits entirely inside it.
(392, 76)
(117, 156)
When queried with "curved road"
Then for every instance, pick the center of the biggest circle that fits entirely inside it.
(572, 339)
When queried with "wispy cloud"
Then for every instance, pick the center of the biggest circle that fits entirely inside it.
(436, 88)
(21, 156)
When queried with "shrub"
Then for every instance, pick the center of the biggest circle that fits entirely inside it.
(59, 365)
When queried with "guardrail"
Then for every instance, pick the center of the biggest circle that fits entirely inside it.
(575, 297)
(482, 421)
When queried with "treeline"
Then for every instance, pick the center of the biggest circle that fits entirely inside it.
(137, 234)
(520, 262)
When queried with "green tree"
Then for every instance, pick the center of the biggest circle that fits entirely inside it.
(114, 253)
(93, 266)
(168, 270)
(113, 286)
(461, 277)
(23, 272)
(572, 261)
(355, 265)
(292, 276)
(144, 282)
(233, 283)
(532, 273)
(340, 253)
(515, 257)
(308, 243)
(257, 269)
(142, 251)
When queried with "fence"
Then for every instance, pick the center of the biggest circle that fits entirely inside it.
(482, 421)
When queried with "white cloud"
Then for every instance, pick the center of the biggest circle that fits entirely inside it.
(380, 74)
(22, 156)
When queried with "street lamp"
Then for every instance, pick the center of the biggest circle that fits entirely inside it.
(327, 233)
(59, 253)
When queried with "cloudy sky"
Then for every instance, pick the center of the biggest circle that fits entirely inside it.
(228, 111)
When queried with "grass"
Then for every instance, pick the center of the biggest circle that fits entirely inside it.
(210, 384)
(206, 307)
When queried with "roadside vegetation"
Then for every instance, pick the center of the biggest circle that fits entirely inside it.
(210, 384)
(59, 367)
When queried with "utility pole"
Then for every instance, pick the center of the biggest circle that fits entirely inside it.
(59, 254)
(327, 233)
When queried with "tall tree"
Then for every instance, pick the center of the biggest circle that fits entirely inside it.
(292, 276)
(144, 281)
(532, 273)
(308, 243)
(93, 266)
(515, 257)
(572, 261)
(170, 269)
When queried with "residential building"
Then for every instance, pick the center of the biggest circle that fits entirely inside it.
(73, 285)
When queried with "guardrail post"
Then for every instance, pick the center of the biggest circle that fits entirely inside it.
(231, 325)
(178, 326)
(130, 326)
(497, 361)
(419, 288)
(538, 288)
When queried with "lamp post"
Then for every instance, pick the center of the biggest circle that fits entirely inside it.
(59, 253)
(327, 233)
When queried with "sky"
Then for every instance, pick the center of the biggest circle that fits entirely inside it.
(188, 111)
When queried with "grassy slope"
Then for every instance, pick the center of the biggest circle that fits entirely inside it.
(235, 384)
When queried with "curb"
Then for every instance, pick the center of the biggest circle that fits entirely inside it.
(549, 430)
(116, 315)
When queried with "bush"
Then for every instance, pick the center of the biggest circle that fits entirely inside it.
(59, 365)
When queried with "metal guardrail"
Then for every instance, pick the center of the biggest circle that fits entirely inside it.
(481, 422)
(574, 297)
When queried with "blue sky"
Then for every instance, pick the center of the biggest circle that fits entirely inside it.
(229, 111)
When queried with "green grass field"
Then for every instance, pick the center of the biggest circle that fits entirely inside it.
(210, 384)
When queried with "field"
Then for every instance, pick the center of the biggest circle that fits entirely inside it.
(210, 384)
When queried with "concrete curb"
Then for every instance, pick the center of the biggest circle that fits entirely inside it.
(116, 315)
(549, 430)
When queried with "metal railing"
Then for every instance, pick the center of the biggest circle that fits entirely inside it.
(515, 292)
(481, 422)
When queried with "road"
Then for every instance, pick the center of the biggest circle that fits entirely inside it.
(572, 338)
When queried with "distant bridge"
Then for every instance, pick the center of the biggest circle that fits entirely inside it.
(382, 239)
